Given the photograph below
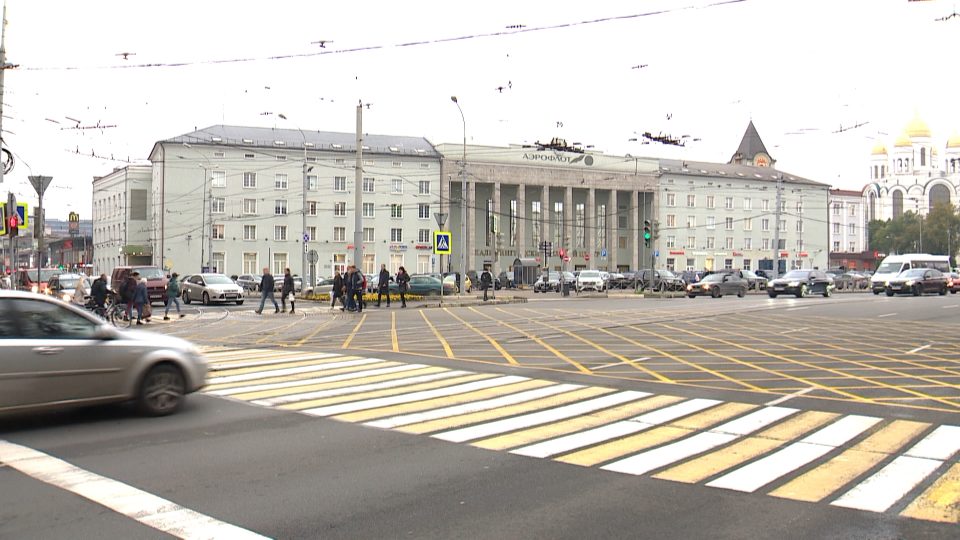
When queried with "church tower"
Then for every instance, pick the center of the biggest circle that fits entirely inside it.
(752, 151)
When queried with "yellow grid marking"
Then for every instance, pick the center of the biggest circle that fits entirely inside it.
(436, 333)
(538, 341)
(346, 342)
(941, 501)
(510, 359)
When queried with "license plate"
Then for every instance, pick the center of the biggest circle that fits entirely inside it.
(778, 288)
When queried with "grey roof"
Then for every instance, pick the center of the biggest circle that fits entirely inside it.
(727, 170)
(316, 140)
(750, 145)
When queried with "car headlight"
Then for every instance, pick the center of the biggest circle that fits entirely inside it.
(794, 284)
(910, 283)
(66, 297)
(34, 289)
(689, 287)
(887, 284)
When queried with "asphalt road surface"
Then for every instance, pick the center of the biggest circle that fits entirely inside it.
(556, 418)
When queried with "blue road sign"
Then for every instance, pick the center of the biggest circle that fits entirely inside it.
(656, 253)
(442, 242)
(603, 252)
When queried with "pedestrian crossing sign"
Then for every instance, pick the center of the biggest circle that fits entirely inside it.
(442, 242)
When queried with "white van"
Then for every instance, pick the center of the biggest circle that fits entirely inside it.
(891, 266)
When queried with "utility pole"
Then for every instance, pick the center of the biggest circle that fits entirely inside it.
(3, 69)
(463, 197)
(776, 228)
(203, 218)
(40, 184)
(358, 195)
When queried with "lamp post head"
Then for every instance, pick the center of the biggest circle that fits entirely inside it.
(453, 99)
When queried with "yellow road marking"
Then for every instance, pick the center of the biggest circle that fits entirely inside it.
(728, 457)
(309, 404)
(436, 333)
(941, 501)
(274, 331)
(346, 342)
(282, 365)
(819, 483)
(549, 431)
(393, 331)
(263, 394)
(510, 359)
(439, 403)
(601, 348)
(538, 341)
(313, 334)
(655, 436)
(442, 424)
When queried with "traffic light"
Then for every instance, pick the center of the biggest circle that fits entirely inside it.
(647, 232)
(13, 225)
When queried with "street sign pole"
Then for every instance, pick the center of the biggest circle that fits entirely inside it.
(441, 218)
(40, 184)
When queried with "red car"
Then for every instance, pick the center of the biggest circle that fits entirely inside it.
(953, 282)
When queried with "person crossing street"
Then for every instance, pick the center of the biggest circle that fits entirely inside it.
(266, 291)
(486, 281)
(403, 279)
(383, 285)
(287, 290)
(173, 296)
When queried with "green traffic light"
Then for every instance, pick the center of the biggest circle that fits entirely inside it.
(646, 235)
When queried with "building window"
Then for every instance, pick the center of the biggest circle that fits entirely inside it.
(836, 246)
(535, 222)
(396, 210)
(218, 232)
(249, 232)
(691, 201)
(836, 228)
(218, 205)
(280, 232)
(248, 156)
(799, 226)
(671, 241)
(711, 222)
(748, 243)
(728, 203)
(218, 179)
(249, 206)
(579, 223)
(671, 262)
(853, 210)
(280, 181)
(339, 234)
(765, 205)
(250, 263)
(748, 224)
(368, 185)
(671, 220)
(728, 244)
(852, 229)
(765, 224)
(368, 209)
(249, 180)
(783, 225)
(397, 185)
(423, 236)
(711, 242)
(396, 235)
(311, 234)
(368, 235)
(312, 183)
(280, 208)
(217, 261)
(747, 264)
(765, 243)
(691, 222)
(691, 242)
(729, 223)
(279, 263)
(671, 199)
(710, 201)
(728, 264)
(690, 263)
(339, 209)
(424, 187)
(423, 211)
(852, 248)
(836, 209)
(340, 183)
(747, 203)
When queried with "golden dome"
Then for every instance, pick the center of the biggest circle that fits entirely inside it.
(879, 149)
(917, 128)
(954, 141)
(903, 140)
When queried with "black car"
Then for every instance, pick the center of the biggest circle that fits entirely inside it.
(801, 283)
(756, 282)
(918, 281)
(717, 285)
(659, 280)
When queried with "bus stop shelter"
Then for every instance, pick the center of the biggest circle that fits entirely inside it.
(525, 272)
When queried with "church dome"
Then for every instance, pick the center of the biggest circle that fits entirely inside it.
(917, 128)
(954, 141)
(879, 149)
(903, 140)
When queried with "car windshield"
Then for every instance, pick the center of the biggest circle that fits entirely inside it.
(150, 273)
(45, 274)
(667, 274)
(914, 273)
(589, 274)
(69, 282)
(218, 280)
(712, 277)
(889, 268)
(749, 274)
(796, 274)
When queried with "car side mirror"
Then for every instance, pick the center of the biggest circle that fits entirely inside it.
(105, 333)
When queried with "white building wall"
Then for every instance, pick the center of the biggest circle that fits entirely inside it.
(114, 232)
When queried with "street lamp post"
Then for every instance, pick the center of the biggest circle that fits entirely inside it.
(463, 197)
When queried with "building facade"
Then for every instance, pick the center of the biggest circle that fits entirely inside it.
(848, 230)
(121, 228)
(238, 199)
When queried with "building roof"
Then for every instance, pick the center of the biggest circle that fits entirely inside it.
(916, 128)
(846, 193)
(721, 170)
(274, 138)
(750, 145)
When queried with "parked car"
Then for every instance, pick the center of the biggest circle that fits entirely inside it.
(547, 282)
(505, 280)
(691, 276)
(249, 282)
(800, 283)
(754, 282)
(209, 288)
(850, 281)
(953, 282)
(590, 280)
(58, 355)
(917, 281)
(156, 280)
(425, 285)
(64, 286)
(28, 279)
(717, 285)
(324, 285)
(660, 280)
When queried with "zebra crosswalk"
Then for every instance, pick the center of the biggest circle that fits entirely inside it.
(901, 467)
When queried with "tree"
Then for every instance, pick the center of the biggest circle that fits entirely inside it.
(941, 232)
(941, 229)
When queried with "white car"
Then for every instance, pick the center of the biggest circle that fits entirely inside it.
(591, 280)
(209, 288)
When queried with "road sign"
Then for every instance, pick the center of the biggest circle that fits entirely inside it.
(441, 218)
(656, 253)
(306, 237)
(312, 256)
(586, 256)
(603, 253)
(442, 242)
(566, 259)
(22, 213)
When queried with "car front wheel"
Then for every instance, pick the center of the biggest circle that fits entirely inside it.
(771, 294)
(917, 290)
(741, 293)
(943, 291)
(802, 292)
(161, 391)
(889, 293)
(206, 299)
(186, 297)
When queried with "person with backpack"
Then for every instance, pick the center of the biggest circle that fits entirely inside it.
(173, 296)
(126, 291)
(486, 281)
(403, 280)
(356, 284)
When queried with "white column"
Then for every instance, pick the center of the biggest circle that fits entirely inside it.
(591, 228)
(521, 220)
(567, 220)
(497, 228)
(612, 231)
(471, 223)
(635, 225)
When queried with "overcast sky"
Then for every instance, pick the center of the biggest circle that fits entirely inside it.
(800, 69)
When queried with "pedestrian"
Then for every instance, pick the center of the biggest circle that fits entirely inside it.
(403, 280)
(486, 280)
(348, 294)
(383, 284)
(266, 291)
(141, 298)
(127, 289)
(287, 290)
(356, 280)
(98, 291)
(173, 296)
(337, 291)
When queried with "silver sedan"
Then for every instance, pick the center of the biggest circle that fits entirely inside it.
(209, 288)
(57, 355)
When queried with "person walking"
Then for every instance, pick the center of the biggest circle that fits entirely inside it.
(287, 290)
(98, 291)
(356, 280)
(127, 289)
(266, 291)
(403, 279)
(348, 295)
(140, 297)
(173, 296)
(337, 291)
(383, 284)
(486, 281)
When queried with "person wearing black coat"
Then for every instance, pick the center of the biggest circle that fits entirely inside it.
(403, 280)
(98, 291)
(287, 290)
(337, 291)
(356, 285)
(266, 291)
(383, 285)
(486, 281)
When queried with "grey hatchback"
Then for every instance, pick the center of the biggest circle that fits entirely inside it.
(56, 355)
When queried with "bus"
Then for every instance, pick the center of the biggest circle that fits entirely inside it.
(892, 265)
